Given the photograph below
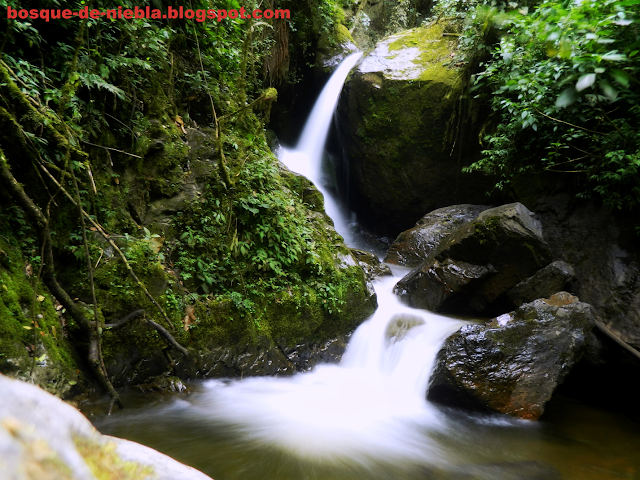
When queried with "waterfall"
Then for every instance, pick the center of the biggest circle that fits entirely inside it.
(306, 158)
(372, 405)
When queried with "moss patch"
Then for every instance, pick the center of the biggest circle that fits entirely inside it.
(33, 343)
(105, 463)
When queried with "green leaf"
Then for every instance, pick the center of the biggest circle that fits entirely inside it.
(585, 81)
(620, 76)
(566, 98)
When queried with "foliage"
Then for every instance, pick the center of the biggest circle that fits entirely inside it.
(563, 83)
(107, 102)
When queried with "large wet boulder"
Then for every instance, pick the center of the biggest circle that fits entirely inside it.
(514, 363)
(399, 102)
(333, 47)
(42, 437)
(414, 246)
(478, 263)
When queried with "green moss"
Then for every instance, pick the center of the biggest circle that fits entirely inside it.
(40, 331)
(105, 463)
(434, 53)
(342, 34)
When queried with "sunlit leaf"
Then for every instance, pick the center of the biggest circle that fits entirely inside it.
(566, 98)
(585, 81)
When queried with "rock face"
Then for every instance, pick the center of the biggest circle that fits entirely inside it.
(478, 263)
(399, 102)
(603, 248)
(42, 437)
(605, 254)
(514, 363)
(545, 282)
(414, 246)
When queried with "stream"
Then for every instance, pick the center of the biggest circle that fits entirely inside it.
(367, 418)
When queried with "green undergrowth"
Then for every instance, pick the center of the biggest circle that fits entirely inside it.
(232, 248)
(34, 344)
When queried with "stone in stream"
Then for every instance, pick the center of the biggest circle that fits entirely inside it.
(371, 264)
(42, 437)
(514, 363)
(476, 264)
(416, 245)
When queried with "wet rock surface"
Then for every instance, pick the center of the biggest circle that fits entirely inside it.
(514, 363)
(602, 247)
(478, 263)
(442, 286)
(545, 282)
(42, 437)
(414, 246)
(371, 264)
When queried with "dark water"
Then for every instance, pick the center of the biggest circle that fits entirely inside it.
(571, 442)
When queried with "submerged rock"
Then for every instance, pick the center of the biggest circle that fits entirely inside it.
(42, 437)
(414, 246)
(478, 263)
(399, 103)
(514, 363)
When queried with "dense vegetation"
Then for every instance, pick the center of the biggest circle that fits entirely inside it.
(561, 80)
(136, 175)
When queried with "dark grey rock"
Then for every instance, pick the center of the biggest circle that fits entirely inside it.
(440, 286)
(475, 265)
(514, 363)
(416, 245)
(545, 282)
(371, 264)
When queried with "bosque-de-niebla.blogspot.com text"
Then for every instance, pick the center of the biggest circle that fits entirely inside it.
(199, 15)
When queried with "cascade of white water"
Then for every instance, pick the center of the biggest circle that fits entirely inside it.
(306, 157)
(373, 404)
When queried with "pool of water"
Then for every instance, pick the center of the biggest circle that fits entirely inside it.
(572, 441)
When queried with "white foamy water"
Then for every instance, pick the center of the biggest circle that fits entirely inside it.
(371, 406)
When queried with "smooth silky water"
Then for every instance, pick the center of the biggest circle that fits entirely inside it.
(367, 418)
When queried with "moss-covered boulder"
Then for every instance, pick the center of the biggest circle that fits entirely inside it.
(473, 267)
(514, 363)
(400, 106)
(249, 277)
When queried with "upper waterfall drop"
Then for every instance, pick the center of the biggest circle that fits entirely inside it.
(306, 157)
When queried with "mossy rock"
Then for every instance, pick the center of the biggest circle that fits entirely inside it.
(333, 47)
(33, 343)
(401, 105)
